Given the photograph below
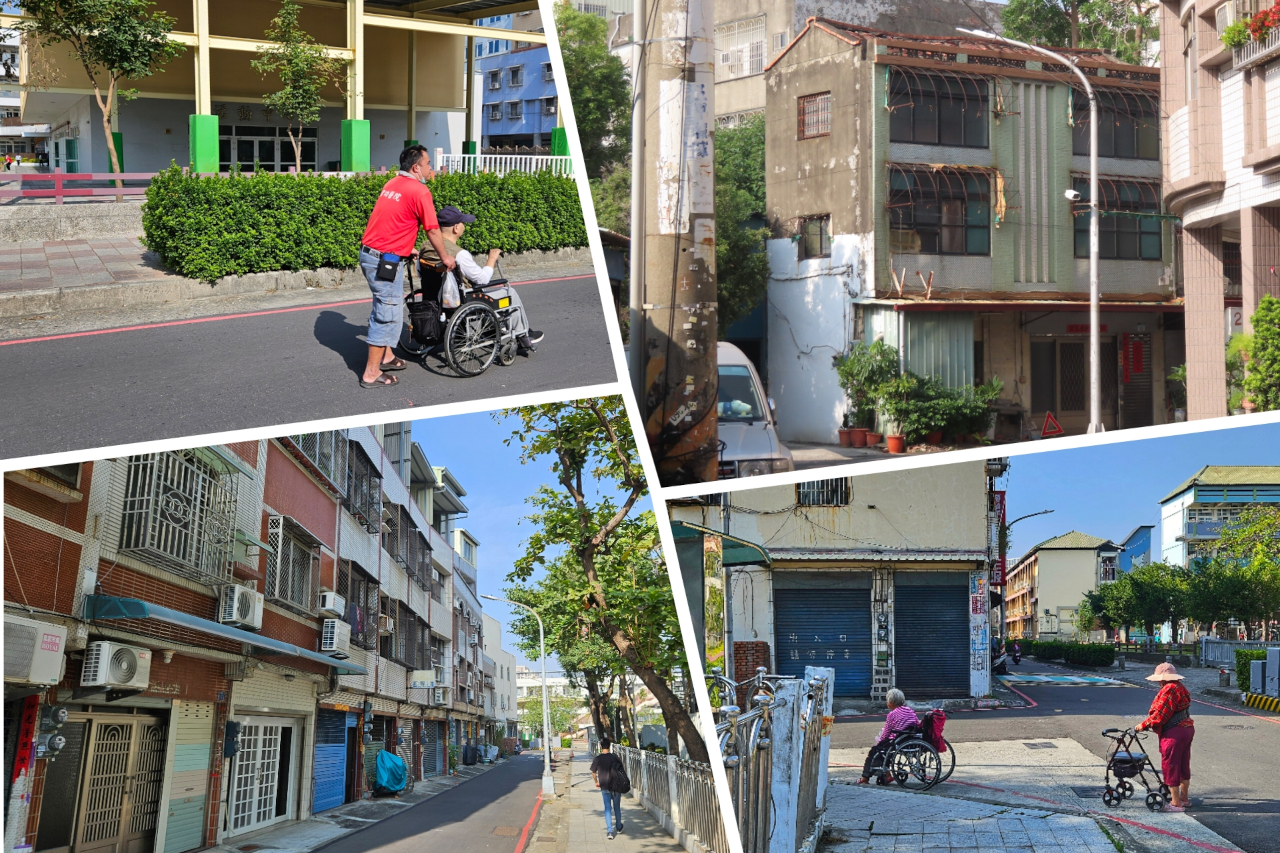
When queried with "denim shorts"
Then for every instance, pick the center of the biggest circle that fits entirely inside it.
(387, 316)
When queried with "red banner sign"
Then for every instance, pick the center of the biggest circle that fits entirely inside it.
(998, 565)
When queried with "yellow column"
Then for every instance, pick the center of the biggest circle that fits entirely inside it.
(203, 126)
(411, 120)
(355, 130)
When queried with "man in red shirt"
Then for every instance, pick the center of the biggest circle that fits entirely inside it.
(404, 204)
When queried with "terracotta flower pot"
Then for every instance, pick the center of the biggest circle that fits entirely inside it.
(873, 438)
(896, 443)
(846, 437)
(934, 437)
(859, 437)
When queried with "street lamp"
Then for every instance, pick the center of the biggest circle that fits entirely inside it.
(548, 784)
(1095, 342)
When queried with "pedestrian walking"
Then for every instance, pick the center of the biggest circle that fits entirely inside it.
(1170, 717)
(404, 205)
(606, 768)
(900, 719)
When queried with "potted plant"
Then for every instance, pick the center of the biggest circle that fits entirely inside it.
(1261, 24)
(862, 372)
(1236, 34)
(846, 430)
(1177, 389)
(898, 403)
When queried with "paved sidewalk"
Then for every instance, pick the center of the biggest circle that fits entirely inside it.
(44, 265)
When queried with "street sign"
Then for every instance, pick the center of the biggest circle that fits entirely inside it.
(1051, 426)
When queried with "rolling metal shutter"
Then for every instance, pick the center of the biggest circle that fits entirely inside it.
(381, 725)
(331, 759)
(931, 641)
(189, 787)
(825, 627)
(430, 748)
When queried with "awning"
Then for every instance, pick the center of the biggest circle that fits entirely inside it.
(908, 555)
(113, 607)
(735, 551)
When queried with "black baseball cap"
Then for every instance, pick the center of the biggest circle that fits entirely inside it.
(450, 215)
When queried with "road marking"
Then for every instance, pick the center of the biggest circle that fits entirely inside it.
(219, 317)
(524, 836)
(1061, 680)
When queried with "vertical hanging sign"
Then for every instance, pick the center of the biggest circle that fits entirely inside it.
(996, 519)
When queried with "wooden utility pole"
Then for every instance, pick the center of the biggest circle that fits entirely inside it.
(674, 306)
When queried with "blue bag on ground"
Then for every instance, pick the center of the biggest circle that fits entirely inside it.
(391, 772)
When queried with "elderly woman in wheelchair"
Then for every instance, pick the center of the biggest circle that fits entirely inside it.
(489, 320)
(901, 754)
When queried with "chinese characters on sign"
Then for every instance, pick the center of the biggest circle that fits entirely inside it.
(995, 521)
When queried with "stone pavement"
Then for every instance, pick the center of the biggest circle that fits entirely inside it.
(1064, 778)
(43, 265)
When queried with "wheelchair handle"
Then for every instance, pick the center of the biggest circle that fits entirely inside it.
(1108, 732)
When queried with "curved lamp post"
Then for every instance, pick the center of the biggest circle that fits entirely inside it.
(548, 785)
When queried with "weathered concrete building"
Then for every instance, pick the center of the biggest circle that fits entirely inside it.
(916, 195)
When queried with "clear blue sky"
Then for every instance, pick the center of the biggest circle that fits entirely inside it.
(1108, 491)
(471, 447)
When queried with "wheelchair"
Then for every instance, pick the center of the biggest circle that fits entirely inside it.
(476, 333)
(910, 761)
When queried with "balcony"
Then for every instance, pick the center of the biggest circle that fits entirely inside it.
(1257, 52)
(1202, 529)
(324, 454)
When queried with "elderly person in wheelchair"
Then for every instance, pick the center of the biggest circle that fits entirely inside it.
(900, 720)
(453, 223)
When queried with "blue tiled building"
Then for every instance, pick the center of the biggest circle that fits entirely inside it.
(1136, 548)
(519, 91)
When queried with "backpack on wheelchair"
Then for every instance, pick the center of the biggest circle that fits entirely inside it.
(470, 336)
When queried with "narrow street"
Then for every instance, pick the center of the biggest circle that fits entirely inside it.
(1233, 753)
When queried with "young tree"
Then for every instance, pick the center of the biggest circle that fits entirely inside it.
(1159, 595)
(119, 40)
(611, 195)
(589, 515)
(742, 266)
(1263, 380)
(304, 71)
(1126, 28)
(598, 86)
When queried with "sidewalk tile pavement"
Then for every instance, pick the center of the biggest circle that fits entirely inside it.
(36, 265)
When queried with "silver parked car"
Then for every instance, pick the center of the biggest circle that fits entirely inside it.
(746, 420)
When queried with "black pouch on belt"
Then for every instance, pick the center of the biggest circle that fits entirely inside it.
(388, 266)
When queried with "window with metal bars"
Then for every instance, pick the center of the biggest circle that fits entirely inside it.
(395, 533)
(1122, 237)
(361, 593)
(325, 453)
(364, 488)
(939, 212)
(1128, 125)
(928, 109)
(293, 570)
(419, 557)
(834, 492)
(387, 642)
(814, 115)
(740, 49)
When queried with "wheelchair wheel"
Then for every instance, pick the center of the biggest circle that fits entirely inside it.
(948, 761)
(507, 355)
(916, 766)
(471, 338)
(1112, 797)
(1155, 802)
(1126, 789)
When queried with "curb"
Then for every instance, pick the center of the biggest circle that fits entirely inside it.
(1266, 703)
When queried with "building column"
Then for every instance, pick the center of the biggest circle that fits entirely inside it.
(202, 129)
(355, 130)
(469, 146)
(411, 118)
(1206, 323)
(1260, 258)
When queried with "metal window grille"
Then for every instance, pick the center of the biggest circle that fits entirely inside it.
(395, 533)
(937, 109)
(179, 513)
(324, 454)
(548, 106)
(1123, 234)
(515, 109)
(939, 210)
(495, 79)
(418, 564)
(363, 498)
(835, 492)
(815, 115)
(293, 571)
(740, 49)
(1128, 124)
(516, 75)
(361, 592)
(547, 73)
(495, 112)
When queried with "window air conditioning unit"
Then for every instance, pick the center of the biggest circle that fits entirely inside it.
(335, 636)
(333, 604)
(386, 625)
(116, 665)
(34, 652)
(435, 575)
(241, 606)
(549, 108)
(422, 679)
(439, 695)
(495, 83)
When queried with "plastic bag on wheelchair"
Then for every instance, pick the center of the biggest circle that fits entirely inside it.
(450, 295)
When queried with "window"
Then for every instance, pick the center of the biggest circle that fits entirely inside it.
(1107, 567)
(361, 593)
(516, 75)
(815, 115)
(495, 79)
(293, 570)
(547, 73)
(469, 552)
(1128, 126)
(495, 112)
(815, 237)
(929, 110)
(548, 106)
(1190, 59)
(69, 474)
(364, 488)
(515, 109)
(824, 492)
(1120, 236)
(740, 49)
(778, 41)
(939, 212)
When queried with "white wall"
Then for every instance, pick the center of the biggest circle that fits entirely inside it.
(1173, 551)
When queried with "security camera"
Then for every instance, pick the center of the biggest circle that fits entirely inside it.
(1072, 195)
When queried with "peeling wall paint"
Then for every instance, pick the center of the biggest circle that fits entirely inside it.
(685, 183)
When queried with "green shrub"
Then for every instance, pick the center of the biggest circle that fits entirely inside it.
(208, 227)
(1089, 654)
(566, 743)
(1236, 34)
(1243, 658)
(1045, 649)
(921, 405)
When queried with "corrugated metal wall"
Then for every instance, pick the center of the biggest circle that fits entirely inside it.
(268, 690)
(330, 769)
(189, 787)
(931, 640)
(940, 344)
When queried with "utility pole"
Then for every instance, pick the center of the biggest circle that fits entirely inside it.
(673, 332)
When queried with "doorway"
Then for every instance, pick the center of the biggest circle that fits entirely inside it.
(263, 147)
(262, 777)
(1060, 381)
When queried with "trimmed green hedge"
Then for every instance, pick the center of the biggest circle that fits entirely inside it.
(208, 227)
(1083, 654)
(1243, 658)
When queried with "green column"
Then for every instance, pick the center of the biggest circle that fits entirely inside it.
(355, 145)
(559, 142)
(470, 147)
(118, 139)
(202, 142)
(409, 142)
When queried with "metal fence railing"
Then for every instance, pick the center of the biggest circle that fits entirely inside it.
(811, 721)
(698, 805)
(680, 793)
(1222, 653)
(746, 746)
(501, 164)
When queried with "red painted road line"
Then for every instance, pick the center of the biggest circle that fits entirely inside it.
(234, 316)
(524, 836)
(1034, 703)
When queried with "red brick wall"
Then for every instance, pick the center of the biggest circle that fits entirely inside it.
(746, 657)
(40, 569)
(246, 450)
(70, 515)
(289, 490)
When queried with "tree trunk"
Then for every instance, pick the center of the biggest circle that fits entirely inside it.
(596, 702)
(1074, 15)
(625, 711)
(297, 147)
(673, 740)
(116, 165)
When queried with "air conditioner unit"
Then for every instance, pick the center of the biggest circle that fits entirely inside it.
(241, 606)
(333, 604)
(335, 636)
(386, 625)
(422, 679)
(495, 83)
(116, 665)
(440, 695)
(435, 575)
(549, 108)
(34, 652)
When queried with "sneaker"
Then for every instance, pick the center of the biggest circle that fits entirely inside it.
(526, 344)
(1172, 808)
(609, 836)
(619, 829)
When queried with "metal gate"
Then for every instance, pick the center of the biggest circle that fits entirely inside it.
(430, 748)
(931, 640)
(380, 727)
(261, 779)
(405, 744)
(1136, 403)
(825, 627)
(330, 768)
(120, 794)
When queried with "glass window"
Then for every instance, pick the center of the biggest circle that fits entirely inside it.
(1128, 125)
(815, 237)
(740, 49)
(929, 110)
(815, 115)
(1121, 235)
(939, 213)
(737, 398)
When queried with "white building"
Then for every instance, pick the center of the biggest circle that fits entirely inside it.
(502, 693)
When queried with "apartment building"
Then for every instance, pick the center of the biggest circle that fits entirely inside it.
(916, 195)
(518, 88)
(1047, 584)
(240, 629)
(502, 693)
(1223, 149)
(1193, 514)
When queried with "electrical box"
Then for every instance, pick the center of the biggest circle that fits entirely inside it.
(1273, 673)
(1257, 676)
(231, 742)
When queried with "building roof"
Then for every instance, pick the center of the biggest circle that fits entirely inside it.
(1073, 541)
(1229, 475)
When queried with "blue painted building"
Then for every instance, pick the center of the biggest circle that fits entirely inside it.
(1193, 514)
(521, 106)
(1136, 548)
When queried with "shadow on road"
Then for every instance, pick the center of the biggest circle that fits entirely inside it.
(334, 331)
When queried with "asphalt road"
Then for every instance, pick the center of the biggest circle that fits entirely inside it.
(252, 368)
(486, 814)
(1233, 770)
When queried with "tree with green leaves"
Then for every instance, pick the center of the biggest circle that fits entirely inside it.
(1125, 28)
(303, 68)
(742, 266)
(1157, 593)
(611, 195)
(599, 88)
(1262, 383)
(588, 515)
(565, 710)
(115, 41)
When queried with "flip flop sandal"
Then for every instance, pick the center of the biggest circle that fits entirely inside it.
(380, 382)
(394, 364)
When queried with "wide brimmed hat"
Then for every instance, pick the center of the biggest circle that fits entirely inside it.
(1165, 672)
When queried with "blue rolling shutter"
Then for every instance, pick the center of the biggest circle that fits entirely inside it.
(931, 640)
(825, 627)
(331, 759)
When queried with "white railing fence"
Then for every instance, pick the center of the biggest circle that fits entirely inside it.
(681, 794)
(501, 164)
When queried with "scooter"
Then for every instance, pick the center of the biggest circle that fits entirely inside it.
(1017, 653)
(999, 660)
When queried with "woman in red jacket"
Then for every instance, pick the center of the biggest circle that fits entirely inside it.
(1170, 716)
